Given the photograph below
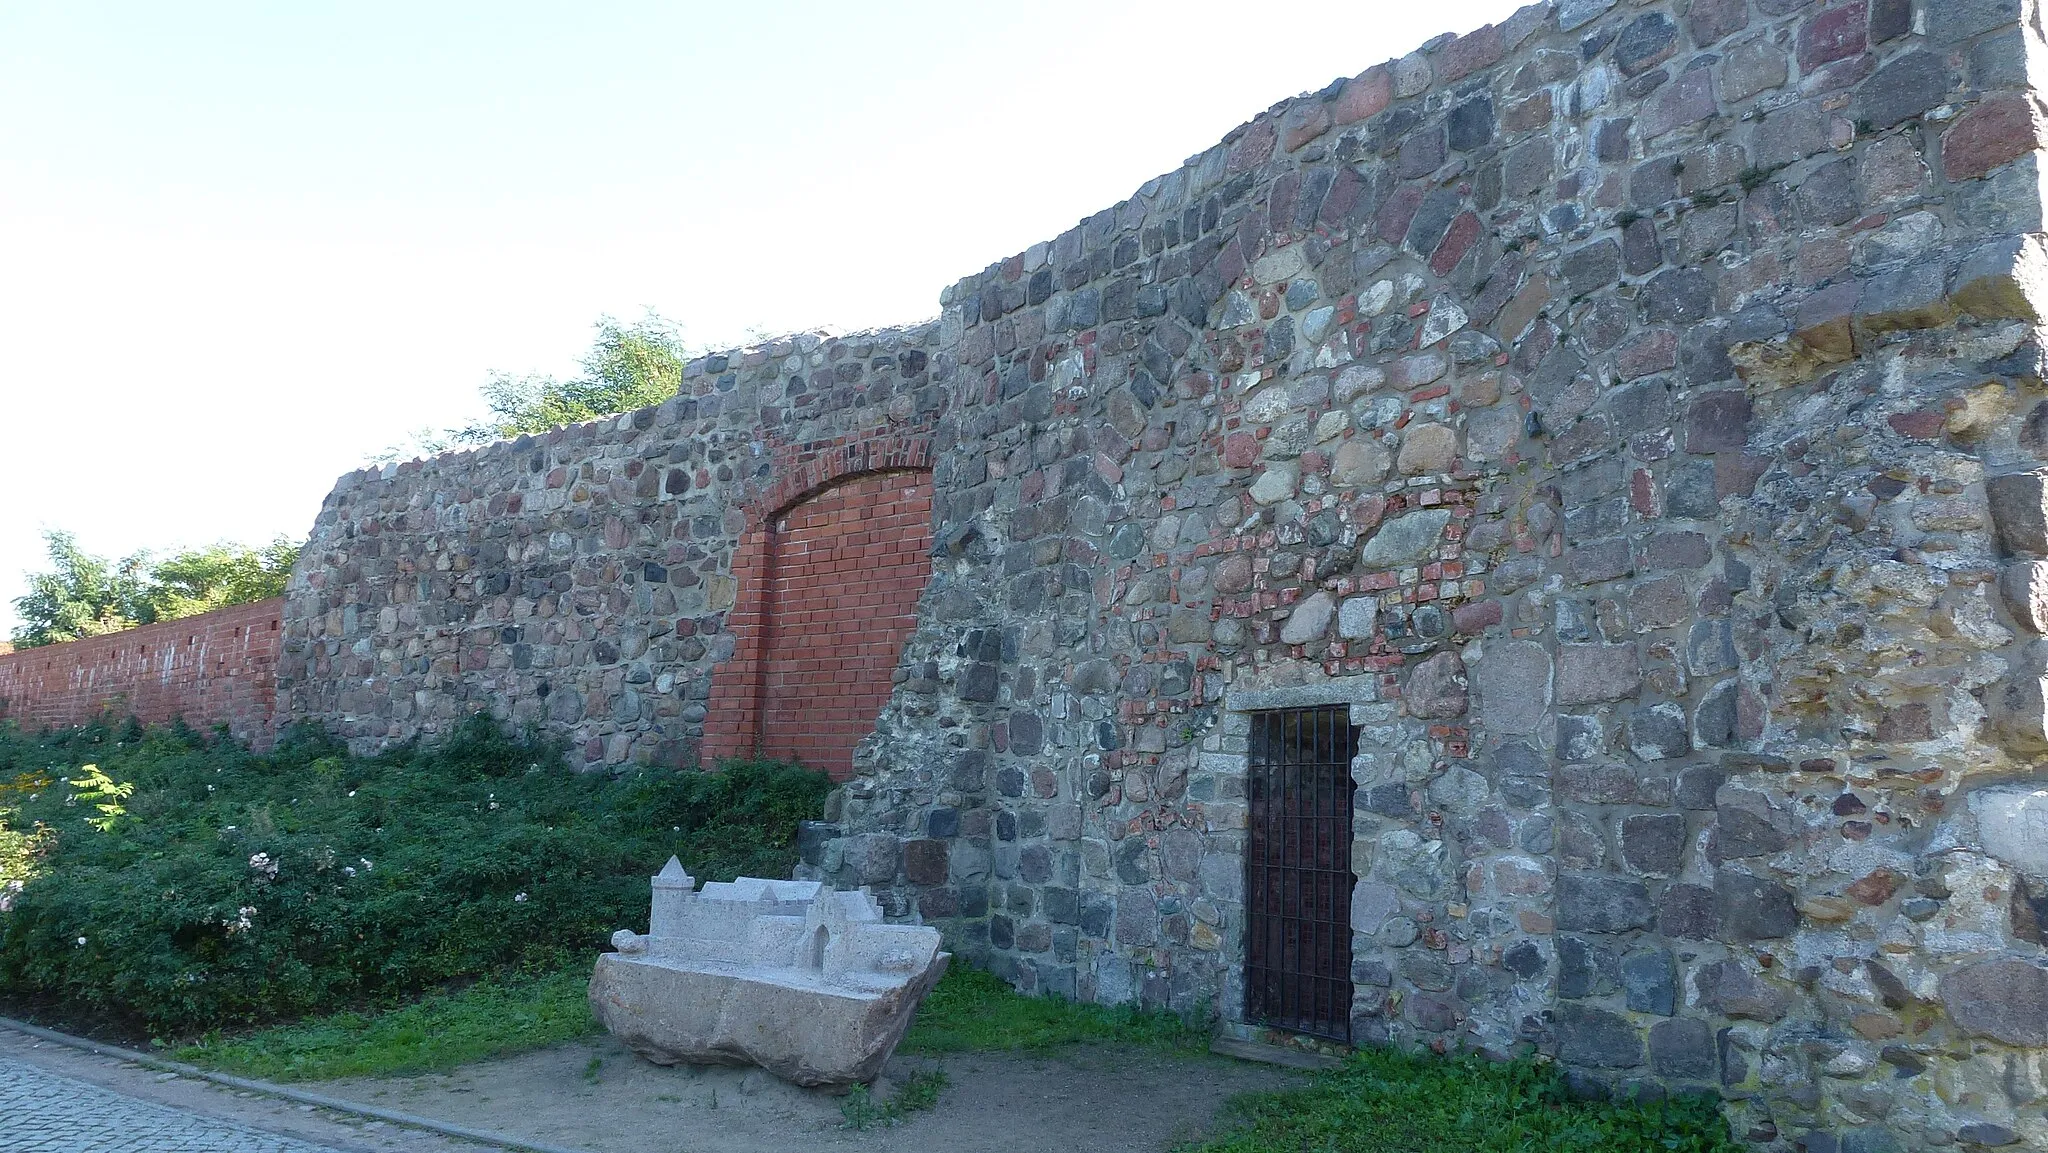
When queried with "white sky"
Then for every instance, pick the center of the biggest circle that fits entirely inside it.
(245, 246)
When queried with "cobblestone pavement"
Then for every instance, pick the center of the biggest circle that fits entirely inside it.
(43, 1112)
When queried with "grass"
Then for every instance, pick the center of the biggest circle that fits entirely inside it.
(1385, 1101)
(492, 1018)
(972, 1011)
(919, 1093)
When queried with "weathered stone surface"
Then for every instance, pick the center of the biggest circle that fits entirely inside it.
(1682, 1047)
(1596, 1038)
(1436, 689)
(1358, 463)
(1903, 89)
(2006, 278)
(1653, 844)
(2024, 586)
(1276, 484)
(1513, 679)
(1728, 988)
(1309, 620)
(1589, 674)
(1405, 538)
(1601, 904)
(1753, 908)
(803, 981)
(1647, 979)
(2004, 1000)
(1427, 448)
(1995, 133)
(1658, 732)
(2013, 823)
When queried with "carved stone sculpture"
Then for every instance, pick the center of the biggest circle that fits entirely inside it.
(804, 981)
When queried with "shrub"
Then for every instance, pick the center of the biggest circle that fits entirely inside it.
(228, 888)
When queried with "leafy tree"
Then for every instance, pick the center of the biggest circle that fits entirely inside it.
(200, 580)
(87, 596)
(81, 596)
(628, 366)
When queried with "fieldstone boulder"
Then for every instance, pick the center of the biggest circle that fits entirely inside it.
(2004, 1000)
(1436, 688)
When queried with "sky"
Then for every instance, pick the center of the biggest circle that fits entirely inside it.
(245, 247)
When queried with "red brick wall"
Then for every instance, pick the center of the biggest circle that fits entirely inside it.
(828, 594)
(219, 667)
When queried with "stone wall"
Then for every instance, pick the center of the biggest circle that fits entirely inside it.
(584, 579)
(1632, 412)
(212, 669)
(1601, 405)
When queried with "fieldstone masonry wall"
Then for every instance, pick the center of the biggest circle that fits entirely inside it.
(1632, 411)
(584, 579)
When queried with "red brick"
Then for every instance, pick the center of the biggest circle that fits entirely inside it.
(217, 668)
(839, 618)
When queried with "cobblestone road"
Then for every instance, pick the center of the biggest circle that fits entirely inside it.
(43, 1112)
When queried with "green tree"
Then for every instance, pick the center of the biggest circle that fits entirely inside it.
(628, 366)
(200, 580)
(83, 595)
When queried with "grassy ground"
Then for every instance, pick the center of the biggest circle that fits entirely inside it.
(492, 1018)
(975, 1011)
(1383, 1101)
(969, 1011)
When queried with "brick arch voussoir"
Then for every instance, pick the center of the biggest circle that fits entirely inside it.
(813, 469)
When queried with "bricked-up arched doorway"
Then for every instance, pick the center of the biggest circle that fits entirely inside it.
(828, 591)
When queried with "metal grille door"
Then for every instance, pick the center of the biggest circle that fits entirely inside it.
(1298, 872)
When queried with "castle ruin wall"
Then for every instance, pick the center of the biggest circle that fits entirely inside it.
(1631, 413)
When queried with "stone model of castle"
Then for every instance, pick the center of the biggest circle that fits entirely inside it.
(803, 980)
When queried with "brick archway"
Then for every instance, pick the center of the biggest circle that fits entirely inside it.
(828, 589)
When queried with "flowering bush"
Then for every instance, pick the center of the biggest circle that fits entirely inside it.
(236, 888)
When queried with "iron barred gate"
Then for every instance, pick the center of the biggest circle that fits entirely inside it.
(1298, 871)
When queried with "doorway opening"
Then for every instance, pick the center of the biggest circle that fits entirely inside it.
(1298, 871)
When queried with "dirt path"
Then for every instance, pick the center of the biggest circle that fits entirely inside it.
(1098, 1099)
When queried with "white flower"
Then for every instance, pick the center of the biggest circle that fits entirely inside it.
(519, 897)
(263, 863)
(366, 863)
(209, 788)
(81, 941)
(242, 923)
(351, 792)
(348, 870)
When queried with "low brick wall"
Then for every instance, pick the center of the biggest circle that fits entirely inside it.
(216, 668)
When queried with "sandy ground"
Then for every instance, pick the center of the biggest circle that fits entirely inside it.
(1098, 1099)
